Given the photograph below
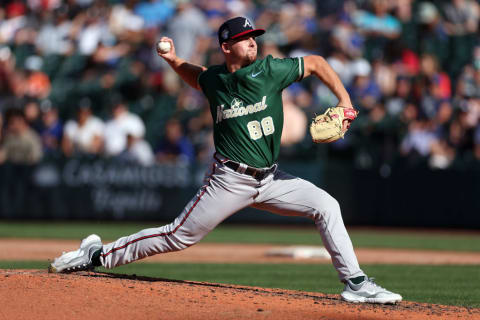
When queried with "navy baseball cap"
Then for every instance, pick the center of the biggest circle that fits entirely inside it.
(237, 27)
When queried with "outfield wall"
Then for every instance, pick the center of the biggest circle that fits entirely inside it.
(100, 189)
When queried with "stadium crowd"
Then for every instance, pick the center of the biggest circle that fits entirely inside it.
(82, 77)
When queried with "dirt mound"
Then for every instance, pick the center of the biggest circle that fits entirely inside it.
(28, 294)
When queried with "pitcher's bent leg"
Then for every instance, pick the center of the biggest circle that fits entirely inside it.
(222, 196)
(288, 195)
(183, 232)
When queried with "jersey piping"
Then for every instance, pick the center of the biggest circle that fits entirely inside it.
(300, 68)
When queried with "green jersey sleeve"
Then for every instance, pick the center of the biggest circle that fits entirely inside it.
(283, 72)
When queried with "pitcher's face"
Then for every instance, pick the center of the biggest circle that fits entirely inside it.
(243, 48)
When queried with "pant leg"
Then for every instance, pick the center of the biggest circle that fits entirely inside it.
(292, 196)
(224, 194)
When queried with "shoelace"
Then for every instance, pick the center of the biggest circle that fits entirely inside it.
(372, 281)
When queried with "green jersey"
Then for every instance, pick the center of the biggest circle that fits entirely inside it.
(247, 108)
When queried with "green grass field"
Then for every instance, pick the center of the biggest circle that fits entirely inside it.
(446, 284)
(375, 238)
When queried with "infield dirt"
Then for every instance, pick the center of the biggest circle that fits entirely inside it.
(36, 294)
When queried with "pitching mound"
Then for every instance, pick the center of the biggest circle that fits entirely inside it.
(27, 294)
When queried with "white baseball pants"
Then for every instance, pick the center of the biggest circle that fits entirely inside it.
(226, 192)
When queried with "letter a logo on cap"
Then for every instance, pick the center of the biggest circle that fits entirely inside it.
(247, 23)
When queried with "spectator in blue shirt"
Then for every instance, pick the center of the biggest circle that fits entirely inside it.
(175, 146)
(154, 12)
(52, 129)
(364, 91)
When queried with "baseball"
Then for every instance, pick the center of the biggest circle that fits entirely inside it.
(163, 46)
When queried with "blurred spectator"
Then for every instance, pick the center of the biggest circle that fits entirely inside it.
(122, 124)
(342, 65)
(430, 72)
(476, 60)
(138, 151)
(124, 22)
(20, 150)
(21, 145)
(154, 12)
(477, 143)
(295, 122)
(364, 91)
(15, 20)
(376, 137)
(417, 144)
(432, 36)
(385, 76)
(442, 152)
(175, 147)
(409, 115)
(270, 47)
(406, 16)
(462, 16)
(93, 32)
(189, 30)
(442, 155)
(1, 127)
(200, 130)
(461, 22)
(52, 129)
(443, 119)
(301, 96)
(37, 82)
(31, 110)
(7, 72)
(85, 135)
(378, 26)
(54, 36)
(398, 59)
(432, 86)
(468, 85)
(461, 137)
(378, 22)
(403, 93)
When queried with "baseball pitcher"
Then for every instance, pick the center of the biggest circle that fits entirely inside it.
(245, 97)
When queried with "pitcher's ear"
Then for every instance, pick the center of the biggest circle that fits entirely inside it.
(225, 47)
